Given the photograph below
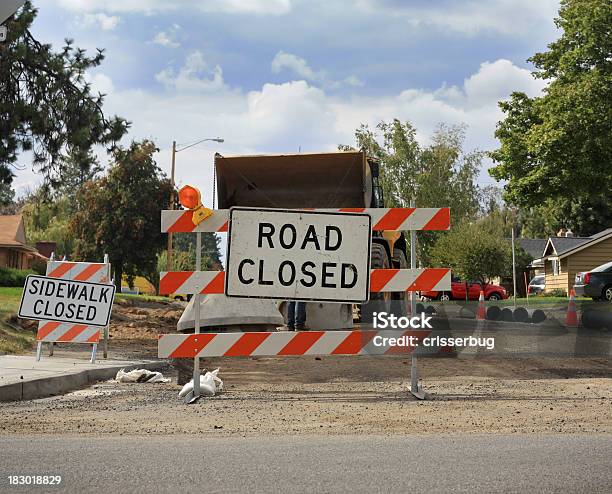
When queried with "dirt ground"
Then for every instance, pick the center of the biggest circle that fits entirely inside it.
(326, 395)
(341, 395)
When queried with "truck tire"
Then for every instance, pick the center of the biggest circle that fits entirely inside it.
(379, 260)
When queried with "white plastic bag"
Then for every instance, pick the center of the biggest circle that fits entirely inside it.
(210, 385)
(140, 376)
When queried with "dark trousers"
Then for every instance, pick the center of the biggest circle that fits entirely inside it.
(296, 314)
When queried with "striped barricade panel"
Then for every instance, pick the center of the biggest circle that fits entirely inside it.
(396, 219)
(289, 343)
(94, 272)
(381, 280)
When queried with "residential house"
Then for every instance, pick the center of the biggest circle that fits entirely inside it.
(564, 256)
(534, 247)
(14, 252)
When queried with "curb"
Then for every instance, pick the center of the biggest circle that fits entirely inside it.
(62, 384)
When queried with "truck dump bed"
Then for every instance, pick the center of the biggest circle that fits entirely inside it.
(311, 180)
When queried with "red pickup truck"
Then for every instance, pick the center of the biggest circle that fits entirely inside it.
(458, 289)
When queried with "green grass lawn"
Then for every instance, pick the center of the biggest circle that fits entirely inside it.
(12, 338)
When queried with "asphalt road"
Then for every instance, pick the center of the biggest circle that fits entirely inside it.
(517, 463)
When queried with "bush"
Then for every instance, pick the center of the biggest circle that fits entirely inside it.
(39, 267)
(556, 292)
(14, 277)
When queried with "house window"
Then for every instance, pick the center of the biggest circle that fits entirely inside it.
(13, 259)
(555, 266)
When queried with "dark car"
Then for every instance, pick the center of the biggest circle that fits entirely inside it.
(596, 283)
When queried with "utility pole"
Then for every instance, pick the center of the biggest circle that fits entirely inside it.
(513, 268)
(169, 263)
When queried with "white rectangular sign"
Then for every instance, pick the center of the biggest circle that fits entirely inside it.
(298, 255)
(55, 299)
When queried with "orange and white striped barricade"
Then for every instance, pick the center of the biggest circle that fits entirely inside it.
(393, 219)
(60, 332)
(380, 280)
(290, 343)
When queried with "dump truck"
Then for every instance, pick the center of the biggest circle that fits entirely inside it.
(333, 180)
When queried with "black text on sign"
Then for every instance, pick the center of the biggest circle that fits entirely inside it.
(298, 255)
(53, 299)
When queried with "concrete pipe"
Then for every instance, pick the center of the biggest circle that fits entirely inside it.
(493, 313)
(597, 319)
(520, 314)
(506, 315)
(537, 316)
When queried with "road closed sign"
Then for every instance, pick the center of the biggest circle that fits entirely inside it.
(298, 255)
(54, 299)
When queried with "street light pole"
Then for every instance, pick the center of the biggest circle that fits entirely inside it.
(174, 151)
(169, 257)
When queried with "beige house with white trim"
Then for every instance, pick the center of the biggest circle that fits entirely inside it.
(564, 257)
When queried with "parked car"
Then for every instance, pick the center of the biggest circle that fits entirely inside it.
(458, 289)
(596, 283)
(537, 285)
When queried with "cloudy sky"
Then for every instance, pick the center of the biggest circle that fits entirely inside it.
(285, 75)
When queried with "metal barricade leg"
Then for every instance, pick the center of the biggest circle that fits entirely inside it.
(105, 342)
(94, 350)
(38, 351)
(51, 348)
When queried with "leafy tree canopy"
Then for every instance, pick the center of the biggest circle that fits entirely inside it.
(46, 103)
(438, 175)
(479, 250)
(119, 214)
(558, 147)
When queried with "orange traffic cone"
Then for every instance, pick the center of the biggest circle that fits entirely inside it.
(571, 319)
(481, 314)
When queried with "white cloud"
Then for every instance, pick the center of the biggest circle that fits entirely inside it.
(195, 103)
(271, 7)
(283, 61)
(100, 83)
(292, 115)
(495, 81)
(167, 38)
(105, 22)
(468, 16)
(194, 76)
(293, 63)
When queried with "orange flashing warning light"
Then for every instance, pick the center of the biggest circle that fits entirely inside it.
(190, 198)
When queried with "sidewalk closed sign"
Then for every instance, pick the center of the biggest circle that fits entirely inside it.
(298, 255)
(53, 299)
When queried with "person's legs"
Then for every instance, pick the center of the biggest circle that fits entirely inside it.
(291, 315)
(300, 317)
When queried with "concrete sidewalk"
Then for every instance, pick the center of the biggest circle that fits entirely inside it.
(22, 378)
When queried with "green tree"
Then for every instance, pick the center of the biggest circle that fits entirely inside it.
(438, 175)
(119, 214)
(557, 148)
(49, 221)
(473, 252)
(46, 104)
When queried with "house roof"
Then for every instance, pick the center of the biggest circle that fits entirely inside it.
(11, 230)
(564, 246)
(12, 233)
(533, 246)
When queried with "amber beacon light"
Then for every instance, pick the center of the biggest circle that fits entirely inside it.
(190, 198)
